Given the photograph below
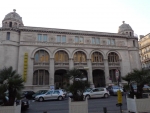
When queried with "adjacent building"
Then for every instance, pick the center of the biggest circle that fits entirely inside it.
(43, 55)
(144, 50)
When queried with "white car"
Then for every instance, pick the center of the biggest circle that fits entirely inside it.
(96, 92)
(52, 94)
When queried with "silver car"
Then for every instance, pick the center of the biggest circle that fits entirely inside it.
(51, 94)
(96, 92)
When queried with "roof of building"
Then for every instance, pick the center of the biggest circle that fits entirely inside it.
(124, 27)
(13, 16)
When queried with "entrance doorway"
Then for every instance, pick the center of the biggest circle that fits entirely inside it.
(60, 80)
(99, 78)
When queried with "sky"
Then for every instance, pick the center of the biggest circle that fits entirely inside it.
(87, 15)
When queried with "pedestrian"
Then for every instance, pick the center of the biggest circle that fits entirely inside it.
(125, 91)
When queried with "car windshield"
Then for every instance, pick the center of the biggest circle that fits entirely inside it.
(88, 90)
(116, 87)
(146, 86)
(41, 91)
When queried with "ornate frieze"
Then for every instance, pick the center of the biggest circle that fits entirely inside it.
(120, 43)
(29, 37)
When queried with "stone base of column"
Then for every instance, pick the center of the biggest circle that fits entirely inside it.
(92, 85)
(52, 87)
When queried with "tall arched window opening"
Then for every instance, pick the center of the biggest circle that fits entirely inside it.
(79, 56)
(41, 77)
(61, 56)
(41, 57)
(113, 57)
(97, 57)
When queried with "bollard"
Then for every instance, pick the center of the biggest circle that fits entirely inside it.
(45, 112)
(105, 109)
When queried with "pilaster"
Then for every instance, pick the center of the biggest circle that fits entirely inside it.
(51, 71)
(107, 77)
(89, 71)
(71, 63)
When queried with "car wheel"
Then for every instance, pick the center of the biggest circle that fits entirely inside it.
(41, 99)
(87, 97)
(106, 95)
(60, 98)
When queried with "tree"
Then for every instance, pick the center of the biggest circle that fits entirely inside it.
(79, 85)
(12, 82)
(140, 77)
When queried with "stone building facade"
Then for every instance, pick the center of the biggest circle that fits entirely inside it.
(43, 55)
(144, 50)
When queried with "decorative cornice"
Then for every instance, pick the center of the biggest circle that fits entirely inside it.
(74, 32)
(9, 28)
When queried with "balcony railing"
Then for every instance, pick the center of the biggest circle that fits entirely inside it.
(80, 63)
(41, 63)
(112, 64)
(97, 64)
(61, 63)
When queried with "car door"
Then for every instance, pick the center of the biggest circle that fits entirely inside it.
(101, 92)
(94, 93)
(55, 94)
(48, 95)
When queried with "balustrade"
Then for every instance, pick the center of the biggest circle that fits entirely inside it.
(61, 63)
(94, 64)
(80, 63)
(114, 64)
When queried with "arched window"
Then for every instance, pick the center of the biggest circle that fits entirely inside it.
(113, 57)
(41, 57)
(79, 56)
(41, 77)
(97, 57)
(6, 25)
(10, 24)
(61, 56)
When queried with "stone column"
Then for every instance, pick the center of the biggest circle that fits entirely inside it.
(121, 71)
(51, 71)
(89, 71)
(107, 77)
(71, 66)
(71, 63)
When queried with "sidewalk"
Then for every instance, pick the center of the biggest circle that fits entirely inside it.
(123, 111)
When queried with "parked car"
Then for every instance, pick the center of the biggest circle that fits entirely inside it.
(39, 93)
(96, 92)
(113, 89)
(51, 94)
(28, 94)
(146, 88)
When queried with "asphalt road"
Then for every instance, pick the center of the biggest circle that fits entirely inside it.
(94, 106)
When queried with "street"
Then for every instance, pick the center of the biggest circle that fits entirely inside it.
(95, 106)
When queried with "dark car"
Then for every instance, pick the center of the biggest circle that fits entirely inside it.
(39, 93)
(113, 89)
(28, 94)
(23, 100)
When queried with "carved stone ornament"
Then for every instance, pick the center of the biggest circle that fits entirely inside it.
(70, 40)
(87, 41)
(120, 43)
(29, 38)
(104, 42)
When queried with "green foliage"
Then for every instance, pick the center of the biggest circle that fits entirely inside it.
(78, 86)
(12, 82)
(140, 77)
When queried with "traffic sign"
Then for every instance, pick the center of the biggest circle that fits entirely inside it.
(117, 74)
